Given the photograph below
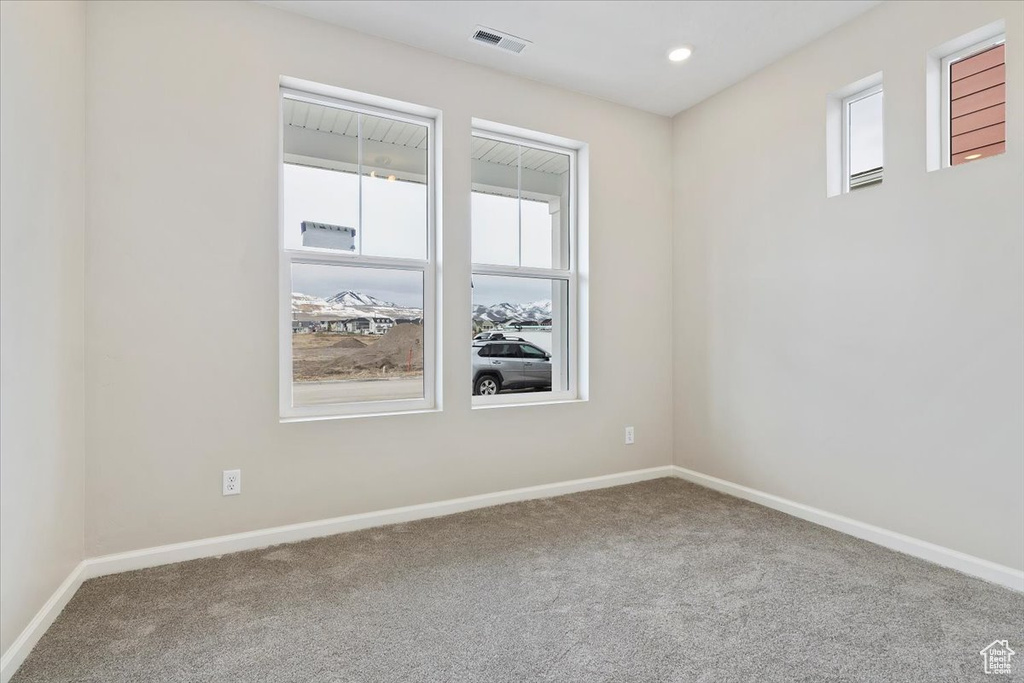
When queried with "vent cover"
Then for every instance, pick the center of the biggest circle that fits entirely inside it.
(500, 40)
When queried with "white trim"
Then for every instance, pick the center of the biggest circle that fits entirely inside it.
(250, 540)
(936, 554)
(44, 618)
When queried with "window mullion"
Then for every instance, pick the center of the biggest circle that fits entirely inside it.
(359, 179)
(519, 201)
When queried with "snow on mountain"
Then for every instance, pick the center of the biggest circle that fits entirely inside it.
(357, 299)
(534, 311)
(347, 305)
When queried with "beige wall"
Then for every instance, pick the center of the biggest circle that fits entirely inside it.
(860, 354)
(181, 327)
(42, 125)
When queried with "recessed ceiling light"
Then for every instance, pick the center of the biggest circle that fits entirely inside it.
(969, 157)
(680, 54)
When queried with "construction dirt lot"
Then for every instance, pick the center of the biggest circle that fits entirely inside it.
(321, 356)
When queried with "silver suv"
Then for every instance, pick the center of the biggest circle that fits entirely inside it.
(509, 363)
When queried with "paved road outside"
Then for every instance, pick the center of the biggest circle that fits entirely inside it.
(347, 391)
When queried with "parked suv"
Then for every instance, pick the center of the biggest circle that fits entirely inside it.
(509, 363)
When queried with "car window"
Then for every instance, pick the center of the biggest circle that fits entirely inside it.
(505, 350)
(532, 351)
(484, 351)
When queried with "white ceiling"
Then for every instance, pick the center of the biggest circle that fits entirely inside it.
(615, 50)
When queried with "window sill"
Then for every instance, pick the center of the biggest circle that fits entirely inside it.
(350, 416)
(532, 401)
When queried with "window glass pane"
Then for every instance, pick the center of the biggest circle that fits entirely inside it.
(357, 334)
(321, 185)
(977, 107)
(505, 351)
(545, 209)
(520, 205)
(536, 233)
(865, 135)
(529, 351)
(495, 202)
(532, 310)
(394, 189)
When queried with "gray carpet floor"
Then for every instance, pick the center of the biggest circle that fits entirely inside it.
(658, 581)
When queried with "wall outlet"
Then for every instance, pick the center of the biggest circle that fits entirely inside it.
(231, 484)
(629, 436)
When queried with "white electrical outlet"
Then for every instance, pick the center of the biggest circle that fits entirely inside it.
(629, 436)
(232, 483)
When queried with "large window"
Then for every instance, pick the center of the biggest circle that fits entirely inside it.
(357, 259)
(525, 270)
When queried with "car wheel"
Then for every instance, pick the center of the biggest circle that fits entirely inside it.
(487, 386)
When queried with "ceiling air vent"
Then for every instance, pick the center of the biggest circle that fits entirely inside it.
(502, 41)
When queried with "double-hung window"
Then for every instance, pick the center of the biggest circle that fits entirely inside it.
(357, 258)
(525, 270)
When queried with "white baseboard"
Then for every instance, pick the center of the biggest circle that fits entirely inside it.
(28, 638)
(954, 559)
(250, 540)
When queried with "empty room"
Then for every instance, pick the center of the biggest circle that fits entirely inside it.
(497, 341)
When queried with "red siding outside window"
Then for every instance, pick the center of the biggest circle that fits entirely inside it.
(978, 106)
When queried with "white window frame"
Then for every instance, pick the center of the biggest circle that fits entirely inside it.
(570, 273)
(945, 91)
(320, 256)
(846, 104)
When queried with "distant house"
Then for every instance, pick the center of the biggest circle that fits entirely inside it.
(304, 323)
(381, 324)
(482, 326)
(520, 325)
(371, 324)
(356, 325)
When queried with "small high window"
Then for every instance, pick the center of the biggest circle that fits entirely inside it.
(854, 124)
(863, 143)
(966, 97)
(974, 96)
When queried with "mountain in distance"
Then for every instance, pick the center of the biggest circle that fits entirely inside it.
(358, 299)
(350, 304)
(346, 305)
(534, 311)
